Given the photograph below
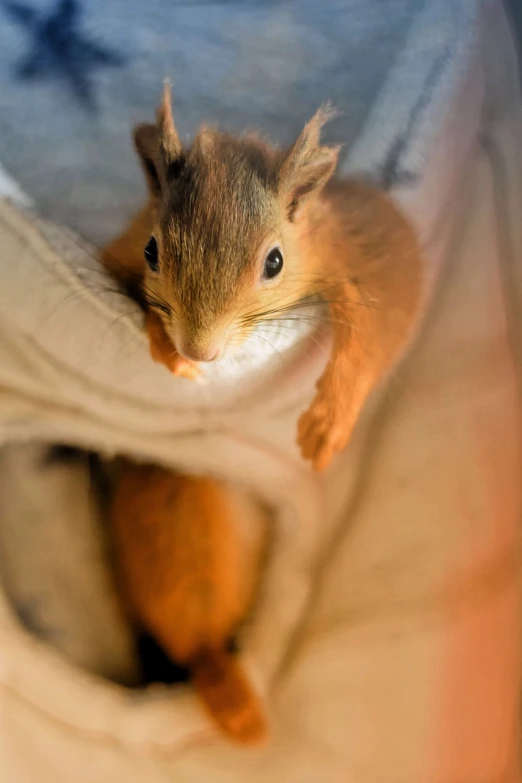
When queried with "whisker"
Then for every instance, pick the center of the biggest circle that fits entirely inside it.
(278, 311)
(158, 305)
(112, 324)
(258, 337)
(292, 340)
(310, 319)
(309, 337)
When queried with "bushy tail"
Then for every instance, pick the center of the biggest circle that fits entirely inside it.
(229, 697)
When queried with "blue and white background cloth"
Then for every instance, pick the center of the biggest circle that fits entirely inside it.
(431, 109)
(75, 75)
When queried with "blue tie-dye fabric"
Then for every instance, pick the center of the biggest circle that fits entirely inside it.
(75, 75)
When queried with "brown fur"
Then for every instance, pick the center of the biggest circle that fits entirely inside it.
(189, 577)
(215, 210)
(225, 201)
(373, 309)
(123, 257)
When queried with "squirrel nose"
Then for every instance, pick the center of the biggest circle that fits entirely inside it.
(199, 353)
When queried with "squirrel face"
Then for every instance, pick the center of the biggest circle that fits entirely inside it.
(228, 249)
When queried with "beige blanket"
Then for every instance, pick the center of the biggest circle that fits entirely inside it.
(387, 639)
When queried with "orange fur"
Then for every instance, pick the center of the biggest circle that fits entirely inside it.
(123, 257)
(372, 311)
(163, 352)
(187, 575)
(343, 241)
(350, 246)
(190, 579)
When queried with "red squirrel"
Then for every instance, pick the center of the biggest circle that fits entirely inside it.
(189, 575)
(237, 232)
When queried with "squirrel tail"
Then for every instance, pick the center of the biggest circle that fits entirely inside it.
(229, 697)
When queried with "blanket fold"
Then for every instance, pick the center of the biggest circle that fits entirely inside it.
(392, 575)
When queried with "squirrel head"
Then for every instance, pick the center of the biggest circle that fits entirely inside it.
(231, 215)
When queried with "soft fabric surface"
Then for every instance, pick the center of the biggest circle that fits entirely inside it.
(239, 63)
(55, 561)
(385, 639)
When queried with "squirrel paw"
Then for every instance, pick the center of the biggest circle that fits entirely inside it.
(325, 428)
(321, 433)
(163, 352)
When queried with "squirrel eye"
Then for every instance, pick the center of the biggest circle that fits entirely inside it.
(151, 254)
(273, 264)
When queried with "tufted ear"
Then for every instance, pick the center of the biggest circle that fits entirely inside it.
(146, 143)
(307, 166)
(158, 146)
